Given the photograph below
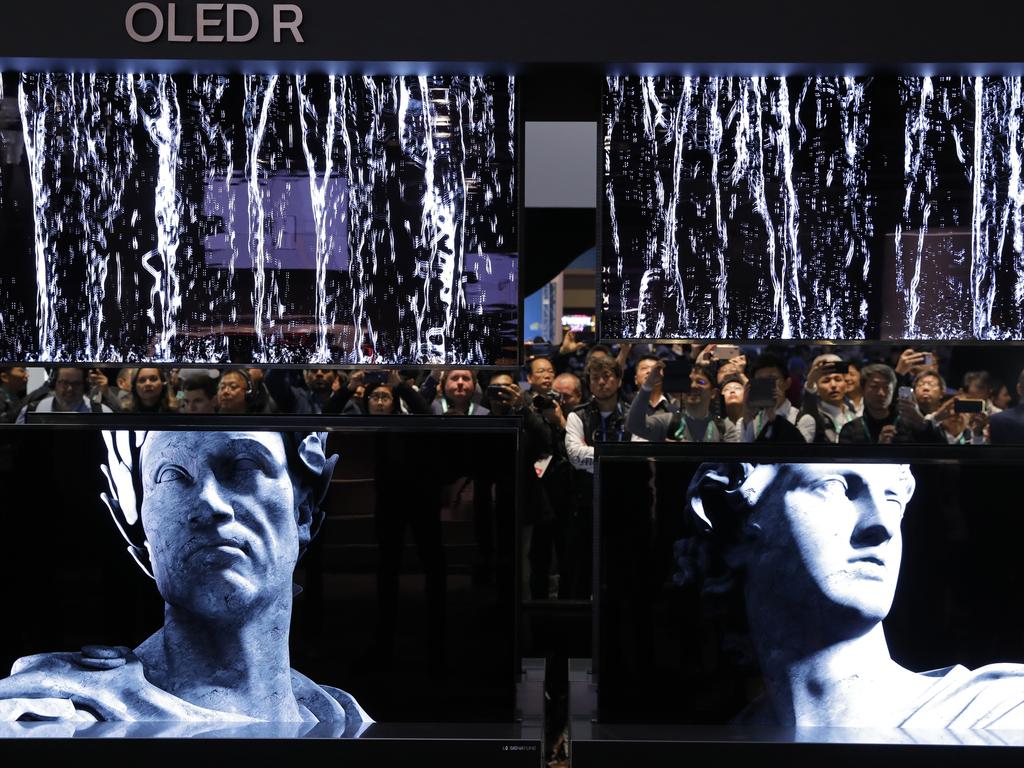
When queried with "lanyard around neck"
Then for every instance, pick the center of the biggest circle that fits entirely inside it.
(444, 407)
(683, 426)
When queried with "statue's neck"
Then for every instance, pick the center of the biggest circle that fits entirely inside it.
(851, 681)
(239, 667)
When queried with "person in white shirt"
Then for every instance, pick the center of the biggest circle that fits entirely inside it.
(600, 420)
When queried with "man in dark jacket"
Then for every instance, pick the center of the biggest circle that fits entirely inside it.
(881, 422)
(1007, 427)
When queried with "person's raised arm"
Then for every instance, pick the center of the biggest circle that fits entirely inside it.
(641, 419)
(340, 397)
(623, 357)
(280, 389)
(414, 401)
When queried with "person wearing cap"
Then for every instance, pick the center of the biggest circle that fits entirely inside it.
(218, 520)
(815, 552)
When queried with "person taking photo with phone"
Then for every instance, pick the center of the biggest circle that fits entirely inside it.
(768, 416)
(825, 398)
(693, 424)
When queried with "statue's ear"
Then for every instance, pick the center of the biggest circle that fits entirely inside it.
(312, 452)
(309, 516)
(308, 519)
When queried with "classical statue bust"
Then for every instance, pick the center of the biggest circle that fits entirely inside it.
(218, 520)
(816, 551)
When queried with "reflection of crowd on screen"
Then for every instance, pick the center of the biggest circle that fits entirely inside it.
(680, 393)
(571, 397)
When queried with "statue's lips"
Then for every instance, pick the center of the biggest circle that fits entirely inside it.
(869, 566)
(231, 547)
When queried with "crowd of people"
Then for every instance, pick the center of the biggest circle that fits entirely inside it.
(571, 398)
(675, 393)
(229, 391)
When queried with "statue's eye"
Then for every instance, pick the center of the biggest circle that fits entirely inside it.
(171, 474)
(246, 464)
(834, 485)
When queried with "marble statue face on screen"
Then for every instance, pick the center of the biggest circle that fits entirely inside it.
(219, 515)
(219, 521)
(830, 539)
(816, 549)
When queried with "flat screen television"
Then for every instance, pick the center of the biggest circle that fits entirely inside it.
(152, 576)
(869, 596)
(838, 208)
(258, 218)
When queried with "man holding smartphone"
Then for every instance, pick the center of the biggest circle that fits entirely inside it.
(912, 363)
(693, 424)
(825, 399)
(766, 406)
(886, 418)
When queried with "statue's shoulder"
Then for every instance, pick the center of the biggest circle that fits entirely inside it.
(66, 686)
(987, 697)
(90, 659)
(109, 683)
(330, 704)
(101, 682)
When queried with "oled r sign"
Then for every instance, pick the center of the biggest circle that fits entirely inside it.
(212, 23)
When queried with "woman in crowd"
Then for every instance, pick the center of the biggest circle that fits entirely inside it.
(149, 392)
(383, 397)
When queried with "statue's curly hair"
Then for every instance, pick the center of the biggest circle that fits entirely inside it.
(719, 501)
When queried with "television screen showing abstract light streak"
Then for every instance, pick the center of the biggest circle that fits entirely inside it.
(258, 218)
(813, 207)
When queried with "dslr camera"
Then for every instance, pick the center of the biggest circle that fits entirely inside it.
(546, 402)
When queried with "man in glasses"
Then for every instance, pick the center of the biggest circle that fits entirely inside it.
(68, 396)
(693, 424)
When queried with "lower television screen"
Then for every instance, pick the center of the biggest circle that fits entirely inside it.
(283, 588)
(871, 595)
